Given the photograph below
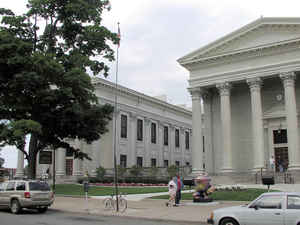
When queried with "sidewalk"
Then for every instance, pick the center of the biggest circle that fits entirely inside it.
(140, 206)
(146, 208)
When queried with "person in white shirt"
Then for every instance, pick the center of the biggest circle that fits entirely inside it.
(172, 193)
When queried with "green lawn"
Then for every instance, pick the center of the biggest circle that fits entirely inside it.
(245, 195)
(77, 190)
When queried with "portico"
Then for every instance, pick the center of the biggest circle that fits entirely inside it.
(250, 76)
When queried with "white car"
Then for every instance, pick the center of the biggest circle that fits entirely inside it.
(272, 208)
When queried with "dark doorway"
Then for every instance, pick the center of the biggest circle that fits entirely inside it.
(281, 157)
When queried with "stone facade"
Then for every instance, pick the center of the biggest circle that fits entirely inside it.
(251, 96)
(154, 116)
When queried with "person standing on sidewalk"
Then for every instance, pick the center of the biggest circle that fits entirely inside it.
(180, 185)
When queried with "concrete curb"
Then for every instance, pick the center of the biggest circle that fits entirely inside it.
(133, 217)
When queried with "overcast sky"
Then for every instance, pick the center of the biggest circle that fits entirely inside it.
(155, 33)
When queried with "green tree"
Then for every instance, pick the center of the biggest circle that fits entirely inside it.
(45, 89)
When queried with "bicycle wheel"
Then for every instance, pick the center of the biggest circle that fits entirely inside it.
(122, 204)
(108, 203)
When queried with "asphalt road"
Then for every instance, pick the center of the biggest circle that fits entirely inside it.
(54, 217)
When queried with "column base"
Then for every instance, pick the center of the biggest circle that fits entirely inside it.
(293, 167)
(196, 172)
(60, 173)
(227, 170)
(19, 175)
(258, 169)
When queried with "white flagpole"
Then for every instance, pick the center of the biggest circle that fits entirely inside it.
(115, 128)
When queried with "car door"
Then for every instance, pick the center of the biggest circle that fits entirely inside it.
(292, 212)
(265, 211)
(2, 193)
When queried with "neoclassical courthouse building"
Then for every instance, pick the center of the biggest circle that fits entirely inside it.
(150, 132)
(251, 96)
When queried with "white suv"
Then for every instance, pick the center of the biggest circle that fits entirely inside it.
(31, 194)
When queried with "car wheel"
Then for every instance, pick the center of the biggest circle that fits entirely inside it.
(229, 222)
(42, 210)
(15, 207)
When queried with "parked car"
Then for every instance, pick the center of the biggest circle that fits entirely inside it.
(31, 194)
(272, 208)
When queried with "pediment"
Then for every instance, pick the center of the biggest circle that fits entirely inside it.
(260, 33)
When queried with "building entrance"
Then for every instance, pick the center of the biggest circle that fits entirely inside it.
(281, 158)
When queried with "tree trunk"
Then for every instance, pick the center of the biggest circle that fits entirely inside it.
(33, 150)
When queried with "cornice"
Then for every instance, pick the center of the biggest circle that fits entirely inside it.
(243, 74)
(242, 54)
(123, 90)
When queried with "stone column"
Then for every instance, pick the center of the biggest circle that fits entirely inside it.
(182, 145)
(147, 141)
(288, 79)
(257, 123)
(77, 163)
(172, 145)
(61, 162)
(20, 165)
(132, 145)
(224, 90)
(160, 144)
(197, 145)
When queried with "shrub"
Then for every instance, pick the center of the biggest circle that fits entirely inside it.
(100, 172)
(135, 170)
(153, 171)
(172, 170)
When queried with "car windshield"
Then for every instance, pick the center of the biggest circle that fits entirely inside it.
(39, 186)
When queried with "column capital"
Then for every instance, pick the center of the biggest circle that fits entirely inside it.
(132, 115)
(288, 78)
(195, 93)
(224, 88)
(147, 121)
(254, 83)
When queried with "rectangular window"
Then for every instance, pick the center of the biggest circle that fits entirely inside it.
(123, 161)
(293, 202)
(177, 163)
(166, 163)
(123, 126)
(187, 140)
(20, 186)
(139, 161)
(10, 186)
(280, 136)
(153, 133)
(139, 130)
(187, 163)
(153, 162)
(69, 153)
(177, 138)
(166, 135)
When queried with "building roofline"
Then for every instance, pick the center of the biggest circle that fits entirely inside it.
(100, 81)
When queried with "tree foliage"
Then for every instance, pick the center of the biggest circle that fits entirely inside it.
(45, 89)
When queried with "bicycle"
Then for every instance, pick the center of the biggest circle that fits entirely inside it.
(111, 202)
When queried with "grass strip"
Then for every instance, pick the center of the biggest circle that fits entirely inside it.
(244, 195)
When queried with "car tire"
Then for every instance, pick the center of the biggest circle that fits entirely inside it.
(42, 210)
(15, 207)
(229, 221)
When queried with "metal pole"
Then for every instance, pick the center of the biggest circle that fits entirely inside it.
(115, 128)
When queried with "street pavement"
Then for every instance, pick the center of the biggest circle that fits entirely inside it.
(55, 217)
